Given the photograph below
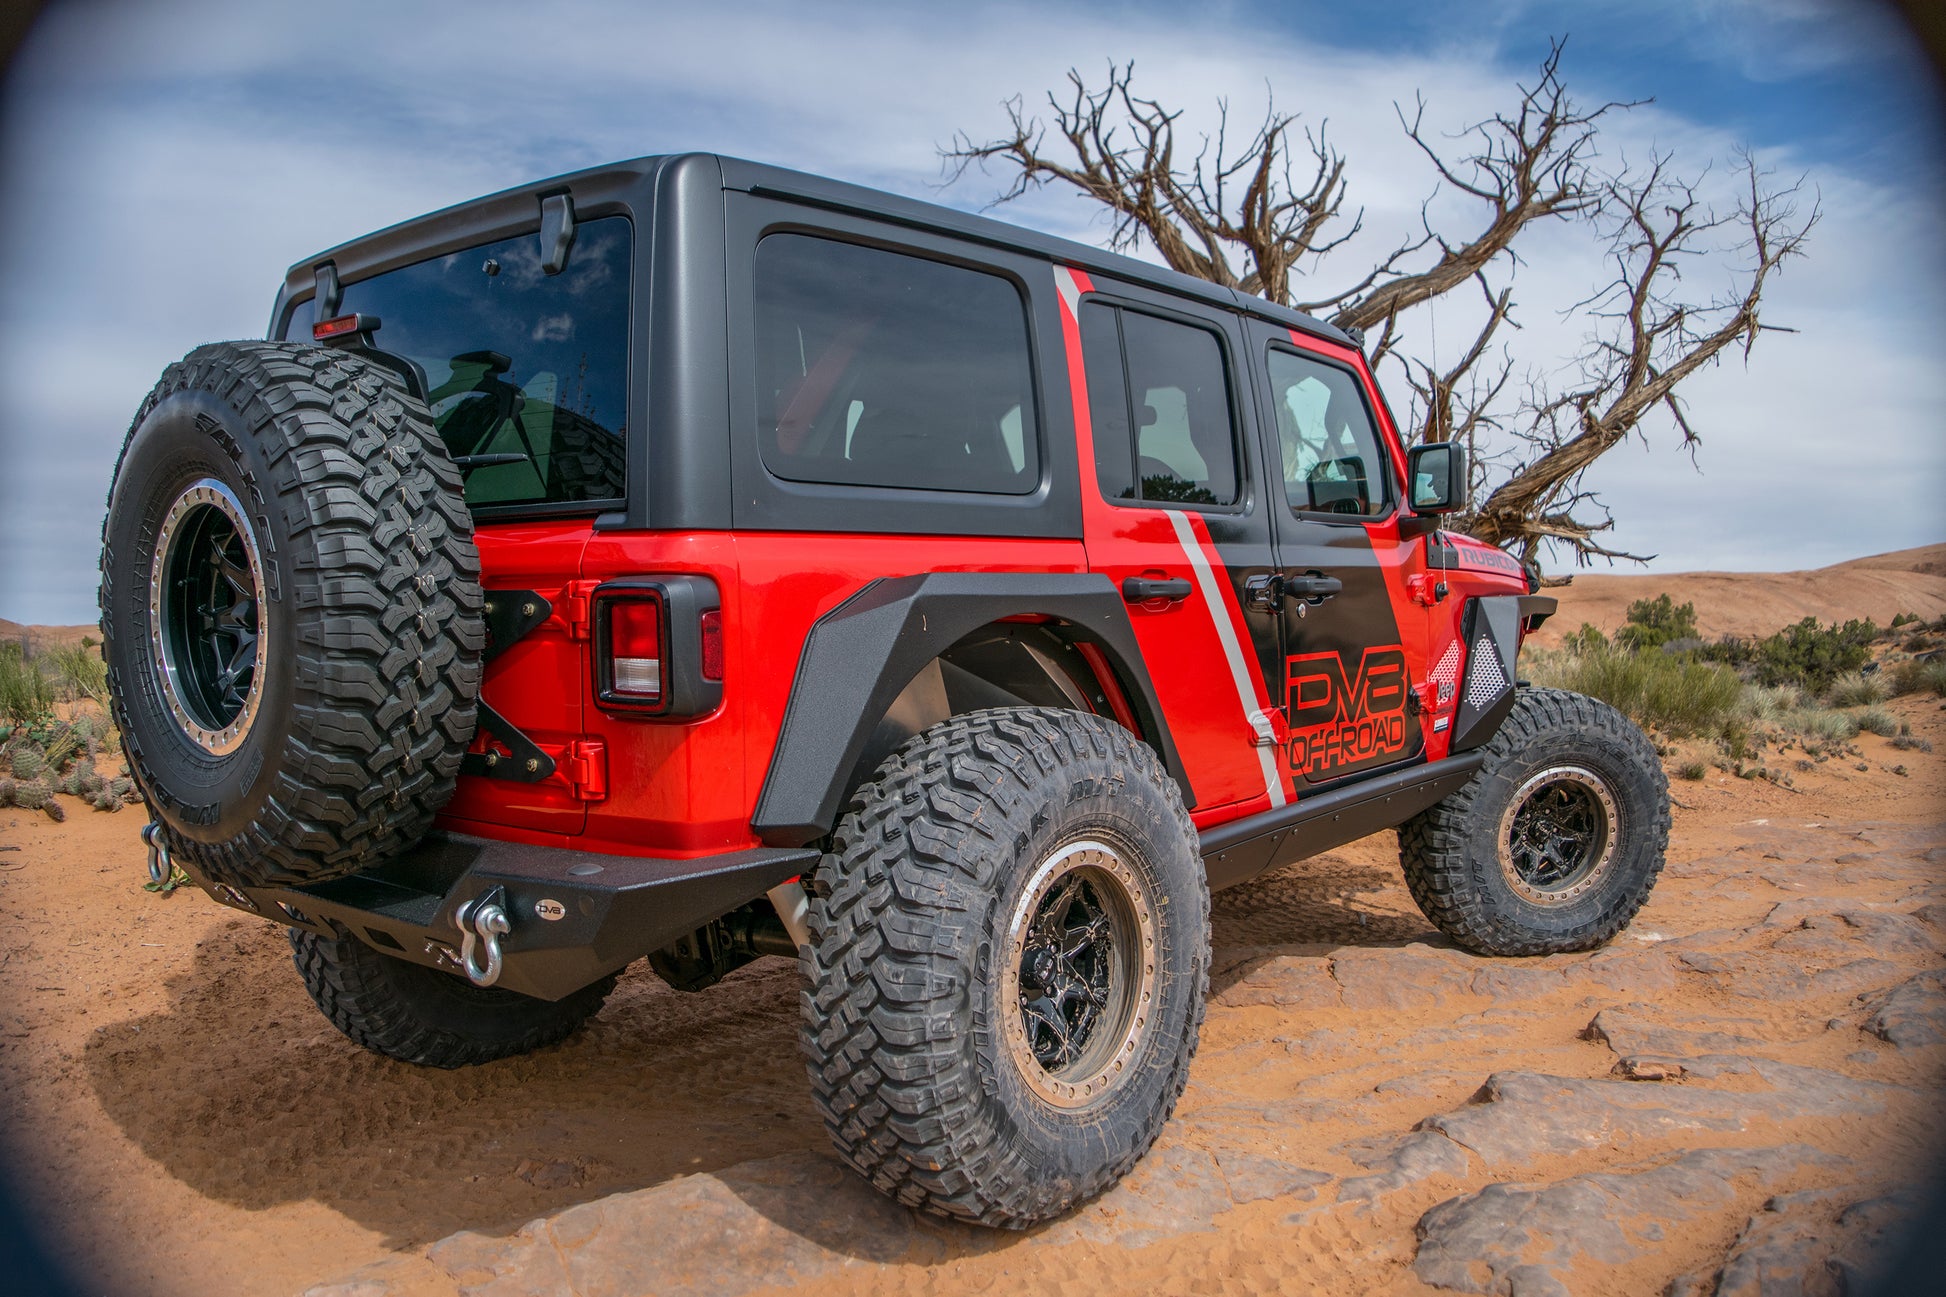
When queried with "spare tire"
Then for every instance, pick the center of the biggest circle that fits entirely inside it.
(290, 611)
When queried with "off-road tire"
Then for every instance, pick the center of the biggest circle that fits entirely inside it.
(368, 582)
(1457, 865)
(902, 1014)
(421, 1015)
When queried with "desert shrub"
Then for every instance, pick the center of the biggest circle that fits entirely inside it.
(1772, 704)
(1823, 724)
(1876, 720)
(1651, 623)
(1920, 677)
(1857, 691)
(1586, 640)
(1675, 695)
(1911, 743)
(1903, 619)
(79, 671)
(1692, 770)
(1804, 654)
(26, 696)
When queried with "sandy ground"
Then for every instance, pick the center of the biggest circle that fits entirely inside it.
(183, 1121)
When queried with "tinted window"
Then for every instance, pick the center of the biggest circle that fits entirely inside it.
(1166, 384)
(525, 370)
(1101, 353)
(879, 369)
(1333, 459)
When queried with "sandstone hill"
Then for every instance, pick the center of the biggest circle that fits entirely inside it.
(1757, 603)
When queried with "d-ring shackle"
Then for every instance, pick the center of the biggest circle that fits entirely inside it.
(482, 921)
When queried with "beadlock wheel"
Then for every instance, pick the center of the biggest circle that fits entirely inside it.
(206, 616)
(1008, 963)
(290, 613)
(1558, 834)
(1555, 843)
(1079, 980)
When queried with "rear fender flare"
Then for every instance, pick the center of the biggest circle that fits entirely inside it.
(862, 654)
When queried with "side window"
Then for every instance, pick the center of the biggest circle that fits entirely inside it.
(1333, 459)
(1159, 400)
(880, 369)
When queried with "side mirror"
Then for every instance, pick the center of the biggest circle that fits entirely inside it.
(1437, 477)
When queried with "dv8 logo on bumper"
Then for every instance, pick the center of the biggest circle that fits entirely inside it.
(1337, 721)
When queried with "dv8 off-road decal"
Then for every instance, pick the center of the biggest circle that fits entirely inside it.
(1339, 722)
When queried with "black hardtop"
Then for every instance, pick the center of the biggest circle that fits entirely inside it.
(630, 186)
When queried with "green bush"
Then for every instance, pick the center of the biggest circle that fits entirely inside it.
(1676, 695)
(1651, 623)
(26, 696)
(1805, 654)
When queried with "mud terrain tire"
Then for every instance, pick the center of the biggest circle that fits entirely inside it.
(291, 612)
(970, 882)
(1555, 843)
(421, 1015)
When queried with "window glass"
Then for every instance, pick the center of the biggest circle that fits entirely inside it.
(525, 372)
(1168, 381)
(1101, 353)
(1333, 459)
(880, 369)
(1184, 440)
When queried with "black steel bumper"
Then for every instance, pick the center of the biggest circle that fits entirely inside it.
(574, 915)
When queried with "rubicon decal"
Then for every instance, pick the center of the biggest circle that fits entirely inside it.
(1338, 721)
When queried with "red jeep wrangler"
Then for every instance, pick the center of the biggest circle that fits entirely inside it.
(694, 560)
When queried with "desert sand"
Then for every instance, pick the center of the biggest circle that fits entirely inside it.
(1744, 1081)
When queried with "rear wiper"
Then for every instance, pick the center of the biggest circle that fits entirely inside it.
(470, 462)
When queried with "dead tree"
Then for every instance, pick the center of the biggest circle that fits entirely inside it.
(1259, 216)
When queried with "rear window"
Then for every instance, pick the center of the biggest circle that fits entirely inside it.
(526, 373)
(881, 369)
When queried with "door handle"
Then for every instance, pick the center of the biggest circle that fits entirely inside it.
(1266, 593)
(1138, 589)
(1312, 586)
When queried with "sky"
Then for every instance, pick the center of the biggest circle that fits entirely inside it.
(162, 163)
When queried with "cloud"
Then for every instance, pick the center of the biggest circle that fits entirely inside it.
(164, 164)
(554, 328)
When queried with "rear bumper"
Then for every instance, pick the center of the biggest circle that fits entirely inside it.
(611, 909)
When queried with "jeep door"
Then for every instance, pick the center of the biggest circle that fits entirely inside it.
(1176, 517)
(1353, 642)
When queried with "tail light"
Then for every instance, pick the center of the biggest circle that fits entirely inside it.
(635, 649)
(658, 645)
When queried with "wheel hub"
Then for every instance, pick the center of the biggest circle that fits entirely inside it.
(1079, 974)
(1558, 835)
(207, 616)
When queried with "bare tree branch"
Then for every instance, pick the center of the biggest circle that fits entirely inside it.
(1246, 203)
(1528, 167)
(1653, 341)
(1252, 216)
